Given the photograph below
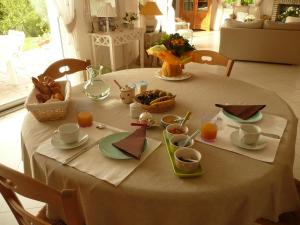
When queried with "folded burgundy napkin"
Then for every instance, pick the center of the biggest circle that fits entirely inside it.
(134, 143)
(242, 111)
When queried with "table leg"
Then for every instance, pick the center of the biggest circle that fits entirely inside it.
(112, 56)
(12, 76)
(93, 50)
(124, 55)
(142, 51)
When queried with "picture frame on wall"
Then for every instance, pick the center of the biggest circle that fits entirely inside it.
(102, 24)
(95, 5)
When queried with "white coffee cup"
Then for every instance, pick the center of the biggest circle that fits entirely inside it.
(249, 134)
(69, 132)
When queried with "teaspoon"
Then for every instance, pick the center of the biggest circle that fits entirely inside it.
(100, 126)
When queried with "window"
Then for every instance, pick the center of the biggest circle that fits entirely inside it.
(188, 5)
(202, 5)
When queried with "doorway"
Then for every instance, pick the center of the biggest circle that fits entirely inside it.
(29, 43)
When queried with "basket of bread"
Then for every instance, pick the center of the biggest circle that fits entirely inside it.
(48, 99)
(156, 101)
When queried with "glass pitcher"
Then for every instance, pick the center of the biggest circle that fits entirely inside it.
(95, 88)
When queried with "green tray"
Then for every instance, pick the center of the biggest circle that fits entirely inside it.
(178, 172)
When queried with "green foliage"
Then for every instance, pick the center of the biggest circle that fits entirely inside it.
(2, 12)
(230, 1)
(176, 44)
(247, 2)
(20, 15)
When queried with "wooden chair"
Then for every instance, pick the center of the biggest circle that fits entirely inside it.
(12, 182)
(213, 58)
(63, 67)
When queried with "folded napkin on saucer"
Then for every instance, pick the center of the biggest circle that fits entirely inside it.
(242, 111)
(133, 144)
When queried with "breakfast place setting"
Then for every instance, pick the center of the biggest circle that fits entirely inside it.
(157, 140)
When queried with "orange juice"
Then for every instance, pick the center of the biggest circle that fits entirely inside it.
(85, 119)
(209, 131)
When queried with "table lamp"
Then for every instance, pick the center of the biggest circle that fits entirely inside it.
(150, 10)
(106, 11)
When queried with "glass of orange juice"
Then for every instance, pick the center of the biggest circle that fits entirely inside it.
(84, 119)
(209, 130)
(84, 116)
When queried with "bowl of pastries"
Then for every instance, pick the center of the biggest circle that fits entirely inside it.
(156, 101)
(48, 99)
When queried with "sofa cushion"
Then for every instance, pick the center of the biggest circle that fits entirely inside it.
(240, 16)
(230, 23)
(272, 25)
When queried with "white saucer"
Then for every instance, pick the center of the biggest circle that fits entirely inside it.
(184, 76)
(58, 143)
(236, 141)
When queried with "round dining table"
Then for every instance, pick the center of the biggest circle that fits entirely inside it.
(233, 190)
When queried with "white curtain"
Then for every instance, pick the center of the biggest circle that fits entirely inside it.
(167, 20)
(67, 18)
(66, 10)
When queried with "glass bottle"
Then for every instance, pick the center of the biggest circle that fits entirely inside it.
(95, 88)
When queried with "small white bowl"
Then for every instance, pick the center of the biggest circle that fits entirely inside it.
(168, 119)
(177, 138)
(172, 128)
(187, 159)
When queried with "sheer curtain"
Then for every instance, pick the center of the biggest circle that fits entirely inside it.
(167, 20)
(75, 24)
(68, 16)
(66, 11)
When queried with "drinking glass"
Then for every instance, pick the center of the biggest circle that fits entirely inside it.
(209, 129)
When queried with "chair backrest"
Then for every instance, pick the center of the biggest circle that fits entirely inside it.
(213, 58)
(63, 67)
(12, 182)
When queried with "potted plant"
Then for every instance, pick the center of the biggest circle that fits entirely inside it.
(246, 2)
(229, 3)
(289, 12)
(129, 18)
(174, 51)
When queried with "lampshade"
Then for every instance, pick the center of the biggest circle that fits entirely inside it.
(106, 11)
(150, 9)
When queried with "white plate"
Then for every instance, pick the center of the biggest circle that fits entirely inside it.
(58, 143)
(236, 141)
(253, 119)
(184, 76)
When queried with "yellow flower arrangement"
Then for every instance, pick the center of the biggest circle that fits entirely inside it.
(175, 51)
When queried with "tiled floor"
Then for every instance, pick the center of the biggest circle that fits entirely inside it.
(283, 79)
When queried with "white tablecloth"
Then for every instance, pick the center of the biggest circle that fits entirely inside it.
(234, 189)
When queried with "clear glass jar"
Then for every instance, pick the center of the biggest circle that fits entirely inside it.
(95, 88)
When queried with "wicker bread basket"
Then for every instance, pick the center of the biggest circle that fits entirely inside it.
(159, 107)
(52, 110)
